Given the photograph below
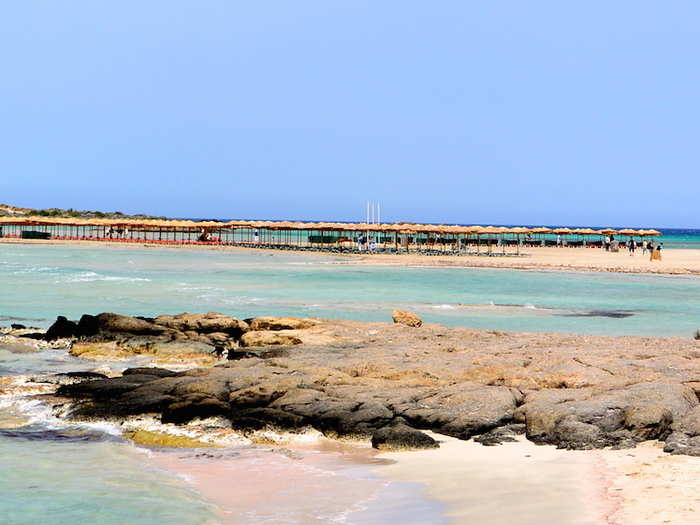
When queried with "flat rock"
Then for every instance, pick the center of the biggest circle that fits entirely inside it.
(256, 338)
(280, 323)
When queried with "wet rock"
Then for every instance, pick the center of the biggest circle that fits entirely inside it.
(255, 338)
(103, 388)
(160, 440)
(401, 437)
(151, 371)
(406, 318)
(280, 323)
(61, 328)
(17, 326)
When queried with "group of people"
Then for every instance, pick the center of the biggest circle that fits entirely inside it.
(646, 246)
(118, 233)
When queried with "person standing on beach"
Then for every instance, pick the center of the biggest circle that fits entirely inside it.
(658, 251)
(632, 246)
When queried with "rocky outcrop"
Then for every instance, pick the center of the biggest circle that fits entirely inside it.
(61, 329)
(586, 419)
(110, 336)
(382, 382)
(406, 318)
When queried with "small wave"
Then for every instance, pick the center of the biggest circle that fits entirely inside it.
(444, 307)
(92, 276)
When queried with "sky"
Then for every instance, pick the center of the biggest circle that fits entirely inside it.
(507, 112)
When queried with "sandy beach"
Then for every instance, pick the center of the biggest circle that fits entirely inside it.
(674, 262)
(518, 483)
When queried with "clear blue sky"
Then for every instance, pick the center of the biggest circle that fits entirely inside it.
(452, 111)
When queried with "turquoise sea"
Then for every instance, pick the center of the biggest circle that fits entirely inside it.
(54, 474)
(40, 282)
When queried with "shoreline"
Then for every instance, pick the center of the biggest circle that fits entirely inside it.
(676, 262)
(512, 382)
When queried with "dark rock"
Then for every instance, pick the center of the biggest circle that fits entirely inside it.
(123, 324)
(151, 371)
(501, 435)
(259, 418)
(401, 436)
(62, 328)
(83, 375)
(17, 326)
(194, 406)
(88, 325)
(104, 388)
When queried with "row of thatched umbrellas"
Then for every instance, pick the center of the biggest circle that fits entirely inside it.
(401, 228)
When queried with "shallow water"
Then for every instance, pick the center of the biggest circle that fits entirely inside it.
(39, 282)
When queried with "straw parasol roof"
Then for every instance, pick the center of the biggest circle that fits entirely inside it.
(628, 231)
(607, 231)
(649, 233)
(562, 231)
(584, 231)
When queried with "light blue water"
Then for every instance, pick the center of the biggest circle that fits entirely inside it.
(57, 482)
(39, 282)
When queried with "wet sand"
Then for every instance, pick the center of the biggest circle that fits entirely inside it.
(321, 483)
(674, 262)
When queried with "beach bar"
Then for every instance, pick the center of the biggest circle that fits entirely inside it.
(430, 239)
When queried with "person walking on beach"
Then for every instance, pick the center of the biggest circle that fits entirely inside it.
(632, 246)
(658, 251)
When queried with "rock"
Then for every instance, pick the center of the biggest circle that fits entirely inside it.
(255, 338)
(462, 410)
(406, 318)
(104, 388)
(160, 440)
(617, 417)
(504, 434)
(280, 323)
(17, 326)
(110, 323)
(685, 438)
(259, 418)
(61, 328)
(192, 407)
(88, 325)
(401, 437)
(99, 351)
(151, 371)
(208, 323)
